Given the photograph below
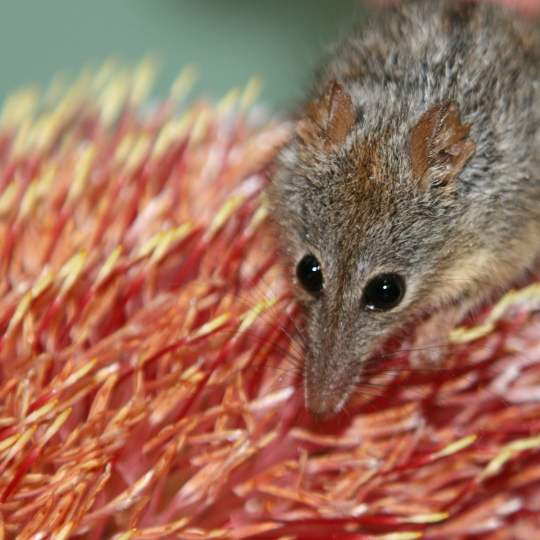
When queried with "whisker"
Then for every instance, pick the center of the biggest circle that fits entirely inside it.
(291, 319)
(294, 338)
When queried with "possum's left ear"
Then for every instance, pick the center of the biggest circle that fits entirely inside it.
(329, 119)
(440, 145)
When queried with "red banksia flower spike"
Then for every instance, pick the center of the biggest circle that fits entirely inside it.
(150, 349)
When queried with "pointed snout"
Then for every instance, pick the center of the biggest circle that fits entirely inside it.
(326, 391)
(321, 407)
(334, 356)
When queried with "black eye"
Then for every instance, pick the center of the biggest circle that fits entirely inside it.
(384, 292)
(309, 274)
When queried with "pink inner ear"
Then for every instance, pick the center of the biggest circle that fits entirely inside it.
(329, 119)
(440, 141)
(342, 116)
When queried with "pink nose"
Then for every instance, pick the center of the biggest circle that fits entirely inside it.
(322, 406)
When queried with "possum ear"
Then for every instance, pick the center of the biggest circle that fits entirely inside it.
(440, 145)
(328, 119)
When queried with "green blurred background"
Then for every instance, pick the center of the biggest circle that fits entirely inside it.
(228, 40)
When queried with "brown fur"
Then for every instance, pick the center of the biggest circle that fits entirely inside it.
(440, 140)
(328, 119)
(421, 156)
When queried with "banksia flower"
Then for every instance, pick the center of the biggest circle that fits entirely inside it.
(149, 375)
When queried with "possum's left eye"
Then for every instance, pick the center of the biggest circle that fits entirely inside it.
(383, 292)
(309, 274)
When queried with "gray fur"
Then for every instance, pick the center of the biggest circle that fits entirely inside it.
(360, 222)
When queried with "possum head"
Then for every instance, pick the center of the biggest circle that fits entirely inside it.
(369, 218)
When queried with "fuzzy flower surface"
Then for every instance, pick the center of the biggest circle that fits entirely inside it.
(150, 358)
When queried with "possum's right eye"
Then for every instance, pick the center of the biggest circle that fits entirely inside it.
(384, 292)
(309, 274)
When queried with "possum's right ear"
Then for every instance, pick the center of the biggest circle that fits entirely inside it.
(440, 145)
(328, 119)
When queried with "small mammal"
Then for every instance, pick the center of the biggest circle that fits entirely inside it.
(411, 185)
